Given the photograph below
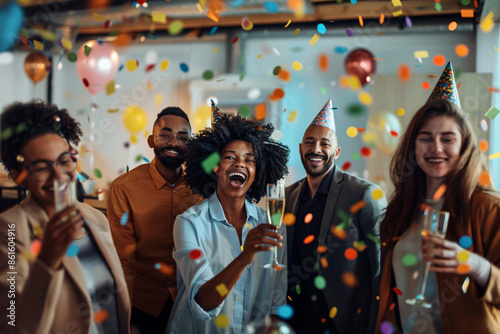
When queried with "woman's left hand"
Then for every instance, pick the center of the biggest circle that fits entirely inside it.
(446, 257)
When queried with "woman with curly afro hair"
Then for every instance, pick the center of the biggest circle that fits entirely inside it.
(52, 289)
(223, 243)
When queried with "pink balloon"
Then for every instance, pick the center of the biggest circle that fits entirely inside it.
(99, 68)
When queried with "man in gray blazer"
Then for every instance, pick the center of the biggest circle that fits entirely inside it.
(333, 246)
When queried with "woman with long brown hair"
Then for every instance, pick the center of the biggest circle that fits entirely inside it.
(438, 153)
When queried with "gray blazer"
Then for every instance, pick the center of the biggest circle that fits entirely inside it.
(357, 306)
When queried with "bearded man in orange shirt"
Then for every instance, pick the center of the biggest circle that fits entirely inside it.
(142, 206)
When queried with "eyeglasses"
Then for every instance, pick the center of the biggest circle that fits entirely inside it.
(41, 170)
(164, 137)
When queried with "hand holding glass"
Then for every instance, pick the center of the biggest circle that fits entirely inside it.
(275, 194)
(435, 224)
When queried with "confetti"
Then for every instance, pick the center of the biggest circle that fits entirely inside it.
(289, 219)
(357, 206)
(397, 13)
(72, 57)
(409, 260)
(277, 94)
(404, 72)
(321, 28)
(38, 45)
(381, 19)
(397, 291)
(350, 254)
(286, 311)
(158, 99)
(462, 50)
(349, 279)
(487, 23)
(452, 26)
(467, 12)
(36, 246)
(314, 39)
(465, 241)
(97, 173)
(333, 312)
(289, 21)
(110, 87)
(365, 98)
(308, 218)
(164, 65)
(492, 112)
(465, 285)
(322, 249)
(320, 282)
(463, 256)
(221, 321)
(296, 31)
(210, 162)
(131, 65)
(386, 328)
(222, 289)
(98, 17)
(195, 254)
(352, 131)
(308, 239)
(483, 145)
(200, 9)
(208, 75)
(396, 3)
(245, 111)
(349, 32)
(159, 17)
(463, 268)
(494, 156)
(421, 54)
(425, 85)
(72, 250)
(359, 245)
(297, 289)
(400, 112)
(346, 166)
(184, 68)
(271, 6)
(439, 60)
(365, 152)
(360, 19)
(297, 65)
(484, 179)
(124, 218)
(356, 156)
(214, 16)
(100, 316)
(260, 111)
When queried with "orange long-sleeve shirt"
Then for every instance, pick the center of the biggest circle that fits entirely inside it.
(144, 241)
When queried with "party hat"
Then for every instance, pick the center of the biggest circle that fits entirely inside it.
(325, 117)
(216, 112)
(446, 87)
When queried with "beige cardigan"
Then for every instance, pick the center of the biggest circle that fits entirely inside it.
(48, 301)
(472, 312)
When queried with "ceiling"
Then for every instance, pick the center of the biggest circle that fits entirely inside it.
(127, 18)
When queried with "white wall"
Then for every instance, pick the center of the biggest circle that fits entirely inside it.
(488, 61)
(304, 94)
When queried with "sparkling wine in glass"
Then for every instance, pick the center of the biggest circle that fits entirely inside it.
(64, 194)
(435, 224)
(275, 198)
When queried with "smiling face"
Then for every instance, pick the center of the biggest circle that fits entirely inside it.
(318, 150)
(171, 153)
(49, 147)
(437, 147)
(236, 169)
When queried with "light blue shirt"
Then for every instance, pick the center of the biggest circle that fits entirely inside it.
(257, 293)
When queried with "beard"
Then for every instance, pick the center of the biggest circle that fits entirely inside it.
(170, 162)
(312, 172)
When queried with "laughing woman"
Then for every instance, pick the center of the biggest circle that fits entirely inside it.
(50, 290)
(223, 243)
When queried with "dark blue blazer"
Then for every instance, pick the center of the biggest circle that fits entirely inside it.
(357, 306)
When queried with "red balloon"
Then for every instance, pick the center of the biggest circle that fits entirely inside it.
(360, 63)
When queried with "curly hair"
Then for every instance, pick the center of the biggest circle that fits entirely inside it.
(271, 156)
(22, 122)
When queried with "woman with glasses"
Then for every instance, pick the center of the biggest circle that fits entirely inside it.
(62, 268)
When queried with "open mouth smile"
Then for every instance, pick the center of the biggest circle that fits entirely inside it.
(237, 179)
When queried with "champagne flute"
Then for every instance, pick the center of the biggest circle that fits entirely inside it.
(275, 194)
(435, 224)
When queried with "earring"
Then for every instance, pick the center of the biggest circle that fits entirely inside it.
(20, 158)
